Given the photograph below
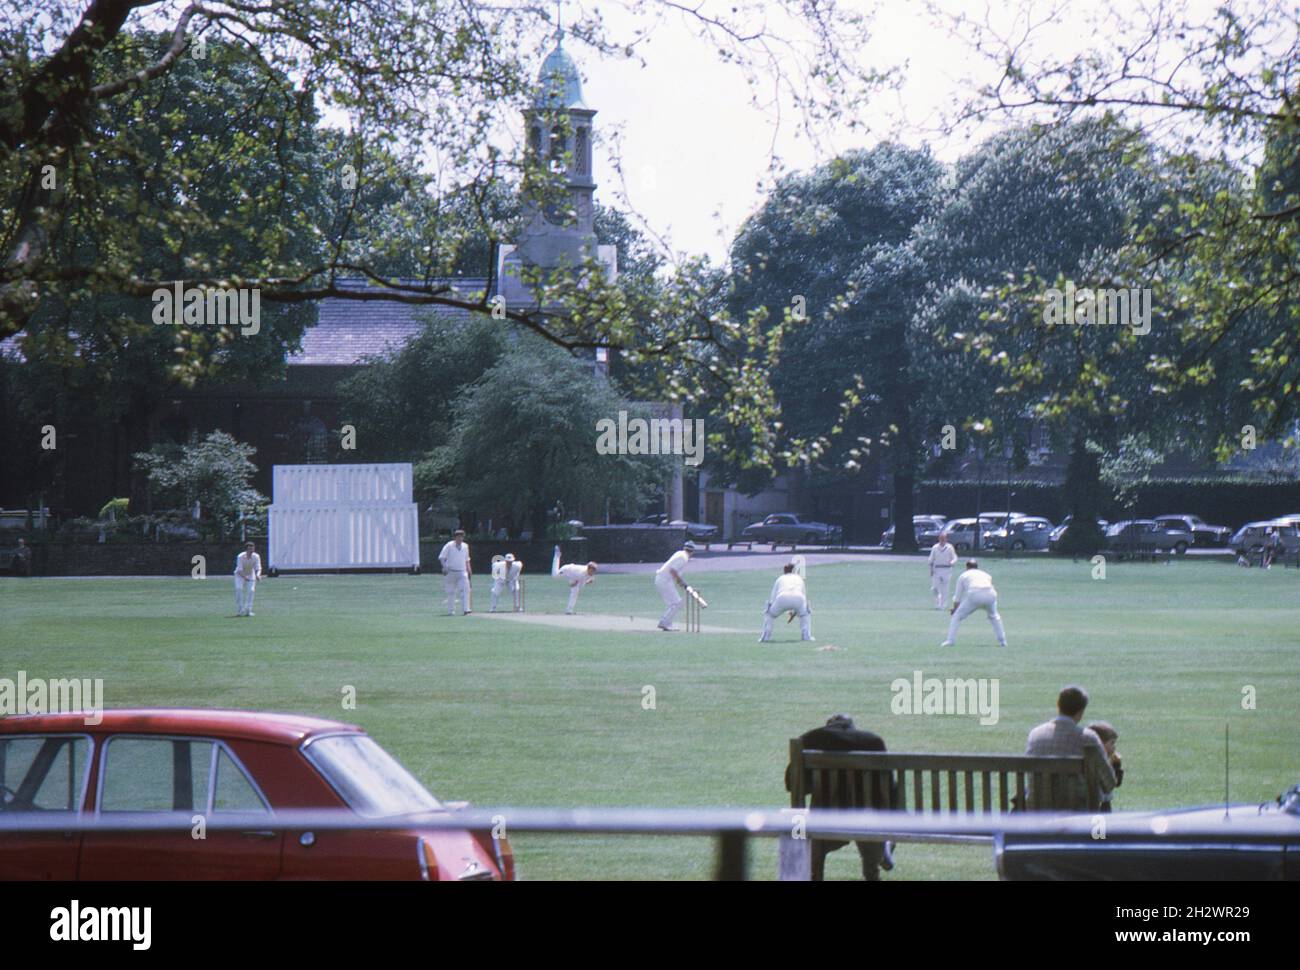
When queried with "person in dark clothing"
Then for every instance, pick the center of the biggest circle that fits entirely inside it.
(840, 734)
(21, 564)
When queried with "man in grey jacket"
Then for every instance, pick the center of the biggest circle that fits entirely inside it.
(1063, 737)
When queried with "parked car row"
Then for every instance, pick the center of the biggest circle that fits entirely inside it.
(1017, 531)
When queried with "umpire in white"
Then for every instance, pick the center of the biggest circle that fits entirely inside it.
(456, 572)
(942, 558)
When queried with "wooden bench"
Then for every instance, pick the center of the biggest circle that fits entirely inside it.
(933, 784)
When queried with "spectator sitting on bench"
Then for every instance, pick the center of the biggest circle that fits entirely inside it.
(1108, 737)
(840, 734)
(1063, 737)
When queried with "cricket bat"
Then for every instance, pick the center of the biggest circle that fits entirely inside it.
(696, 596)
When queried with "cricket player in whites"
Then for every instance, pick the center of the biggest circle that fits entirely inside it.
(576, 575)
(789, 594)
(456, 573)
(248, 570)
(942, 558)
(667, 578)
(505, 574)
(974, 592)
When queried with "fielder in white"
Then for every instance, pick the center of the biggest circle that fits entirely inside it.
(505, 575)
(667, 578)
(248, 570)
(576, 575)
(789, 594)
(942, 558)
(456, 572)
(974, 592)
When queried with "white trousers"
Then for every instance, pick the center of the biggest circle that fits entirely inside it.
(784, 604)
(457, 586)
(978, 599)
(939, 584)
(574, 590)
(244, 589)
(672, 599)
(501, 584)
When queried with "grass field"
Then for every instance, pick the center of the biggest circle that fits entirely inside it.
(536, 715)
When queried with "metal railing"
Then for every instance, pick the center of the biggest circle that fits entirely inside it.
(732, 828)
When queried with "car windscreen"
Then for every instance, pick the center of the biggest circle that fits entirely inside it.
(367, 777)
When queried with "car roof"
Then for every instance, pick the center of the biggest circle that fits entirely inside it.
(288, 729)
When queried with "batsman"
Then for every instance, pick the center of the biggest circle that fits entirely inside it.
(667, 578)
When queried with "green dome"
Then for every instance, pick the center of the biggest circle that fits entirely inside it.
(560, 83)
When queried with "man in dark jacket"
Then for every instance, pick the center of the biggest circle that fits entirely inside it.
(840, 734)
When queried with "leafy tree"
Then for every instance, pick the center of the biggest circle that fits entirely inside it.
(422, 86)
(402, 405)
(524, 441)
(834, 246)
(1217, 93)
(1032, 211)
(216, 472)
(100, 356)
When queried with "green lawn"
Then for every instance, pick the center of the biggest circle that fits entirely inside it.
(530, 715)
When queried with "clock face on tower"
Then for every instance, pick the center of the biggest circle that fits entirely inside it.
(556, 213)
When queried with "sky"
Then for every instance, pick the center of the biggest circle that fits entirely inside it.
(695, 152)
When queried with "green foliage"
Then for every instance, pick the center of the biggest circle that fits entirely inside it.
(1127, 467)
(115, 508)
(216, 472)
(402, 405)
(828, 266)
(523, 441)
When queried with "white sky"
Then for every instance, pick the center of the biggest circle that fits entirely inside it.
(695, 150)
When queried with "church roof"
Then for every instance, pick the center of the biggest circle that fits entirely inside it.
(348, 331)
(559, 80)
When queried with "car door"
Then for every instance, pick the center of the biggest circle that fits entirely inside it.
(775, 527)
(186, 781)
(44, 775)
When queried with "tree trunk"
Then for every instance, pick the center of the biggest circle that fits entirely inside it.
(1083, 498)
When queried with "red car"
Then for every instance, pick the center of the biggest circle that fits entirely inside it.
(183, 763)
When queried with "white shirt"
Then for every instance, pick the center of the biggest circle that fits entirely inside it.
(504, 571)
(453, 559)
(787, 584)
(969, 580)
(248, 567)
(677, 561)
(942, 557)
(575, 573)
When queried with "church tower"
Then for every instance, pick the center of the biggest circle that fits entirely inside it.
(559, 221)
(560, 229)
